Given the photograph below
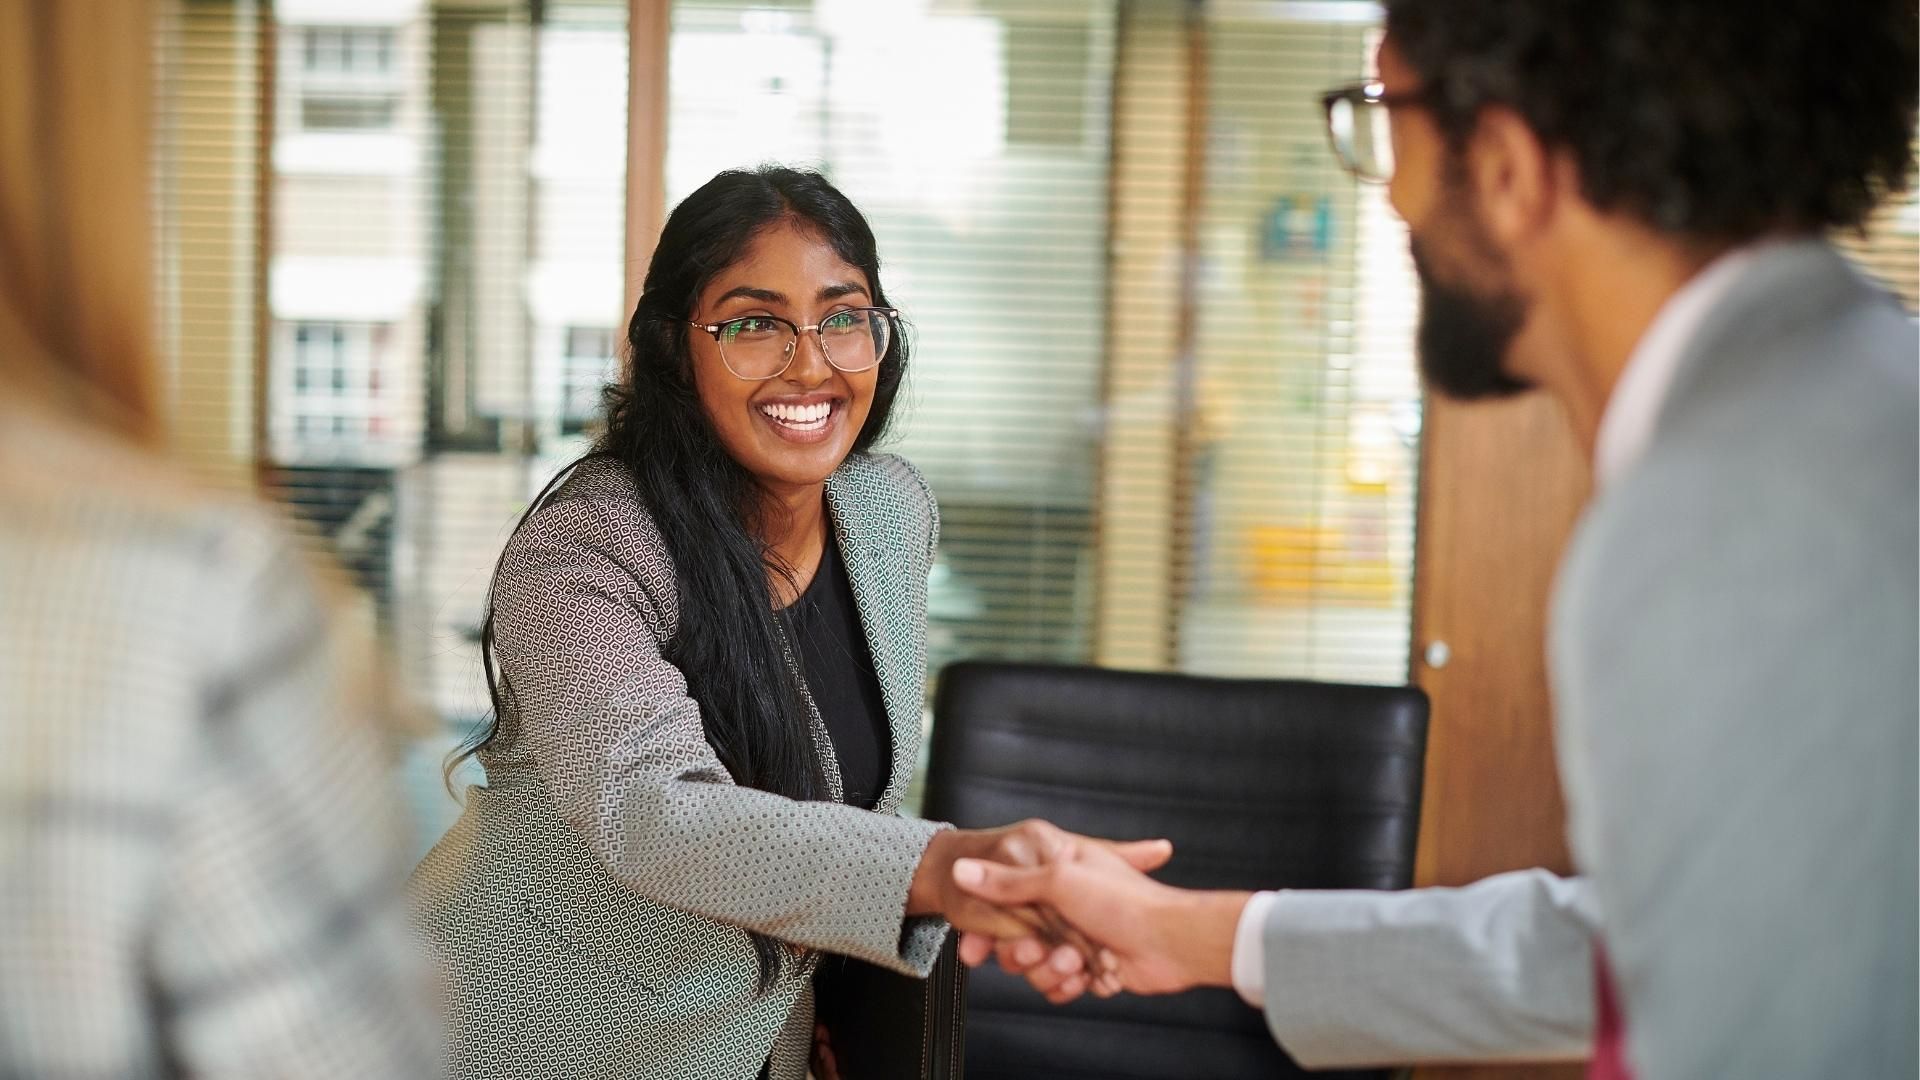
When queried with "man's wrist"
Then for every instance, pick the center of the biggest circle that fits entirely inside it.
(1250, 949)
(1200, 927)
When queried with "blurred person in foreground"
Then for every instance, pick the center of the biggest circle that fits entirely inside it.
(200, 858)
(1625, 203)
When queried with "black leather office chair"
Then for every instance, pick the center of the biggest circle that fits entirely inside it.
(1260, 784)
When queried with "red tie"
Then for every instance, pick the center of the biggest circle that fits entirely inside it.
(1610, 1031)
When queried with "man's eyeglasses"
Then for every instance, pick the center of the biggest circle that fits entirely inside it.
(1359, 127)
(761, 347)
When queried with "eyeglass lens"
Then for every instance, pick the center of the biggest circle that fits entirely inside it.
(760, 346)
(1362, 137)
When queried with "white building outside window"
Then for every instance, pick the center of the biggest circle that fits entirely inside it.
(350, 78)
(339, 406)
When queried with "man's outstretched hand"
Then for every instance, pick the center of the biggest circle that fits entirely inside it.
(1156, 939)
(1027, 843)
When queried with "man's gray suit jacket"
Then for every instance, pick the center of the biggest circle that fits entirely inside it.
(1733, 662)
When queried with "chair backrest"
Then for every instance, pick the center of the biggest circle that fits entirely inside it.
(1259, 783)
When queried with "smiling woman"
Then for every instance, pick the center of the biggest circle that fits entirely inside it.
(706, 645)
(789, 366)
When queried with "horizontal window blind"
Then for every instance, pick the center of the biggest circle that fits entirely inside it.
(975, 139)
(209, 146)
(1304, 461)
(1889, 250)
(393, 244)
(1262, 500)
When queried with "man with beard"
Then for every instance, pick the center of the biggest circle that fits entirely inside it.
(1624, 202)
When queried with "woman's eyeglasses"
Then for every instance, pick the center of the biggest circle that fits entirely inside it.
(761, 347)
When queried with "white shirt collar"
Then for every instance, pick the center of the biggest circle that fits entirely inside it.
(1626, 423)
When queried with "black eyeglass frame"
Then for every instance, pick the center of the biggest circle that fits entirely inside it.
(892, 315)
(1368, 92)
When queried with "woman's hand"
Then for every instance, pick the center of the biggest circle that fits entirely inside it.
(1028, 843)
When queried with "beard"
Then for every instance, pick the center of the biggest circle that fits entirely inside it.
(1465, 334)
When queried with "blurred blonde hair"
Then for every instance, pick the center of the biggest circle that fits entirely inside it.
(76, 269)
(77, 315)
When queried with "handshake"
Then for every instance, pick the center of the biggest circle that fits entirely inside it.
(1073, 914)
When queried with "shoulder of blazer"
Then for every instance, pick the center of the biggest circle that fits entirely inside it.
(596, 513)
(888, 488)
(1800, 312)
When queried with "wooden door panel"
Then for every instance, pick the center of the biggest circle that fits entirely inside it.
(1502, 484)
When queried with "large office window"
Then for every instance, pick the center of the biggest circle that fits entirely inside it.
(1305, 419)
(1165, 401)
(392, 250)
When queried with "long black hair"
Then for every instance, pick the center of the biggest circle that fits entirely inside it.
(706, 505)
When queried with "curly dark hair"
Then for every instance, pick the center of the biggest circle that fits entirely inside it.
(1718, 120)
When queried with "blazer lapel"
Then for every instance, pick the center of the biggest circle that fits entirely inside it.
(883, 596)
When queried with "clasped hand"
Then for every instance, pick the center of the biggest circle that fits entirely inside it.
(1023, 934)
(1074, 914)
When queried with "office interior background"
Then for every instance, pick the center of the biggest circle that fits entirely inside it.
(1163, 379)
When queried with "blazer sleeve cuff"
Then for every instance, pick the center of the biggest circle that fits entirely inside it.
(921, 936)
